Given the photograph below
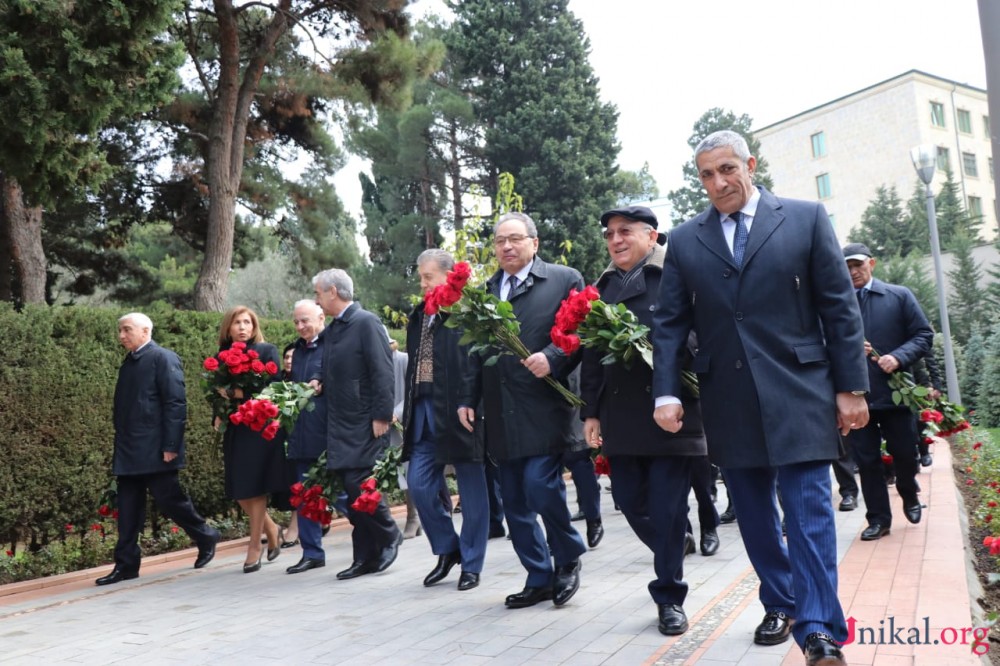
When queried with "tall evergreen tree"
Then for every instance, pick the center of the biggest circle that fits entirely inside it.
(988, 396)
(631, 186)
(950, 215)
(970, 377)
(690, 200)
(967, 302)
(886, 229)
(524, 64)
(909, 272)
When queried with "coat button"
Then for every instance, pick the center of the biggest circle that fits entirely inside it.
(739, 365)
(739, 316)
(652, 308)
(649, 389)
(726, 273)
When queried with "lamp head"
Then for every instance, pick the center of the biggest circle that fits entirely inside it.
(924, 159)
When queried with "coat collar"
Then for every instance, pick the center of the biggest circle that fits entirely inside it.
(769, 216)
(139, 353)
(877, 286)
(539, 270)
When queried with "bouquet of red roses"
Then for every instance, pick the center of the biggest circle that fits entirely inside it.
(234, 368)
(938, 416)
(486, 322)
(584, 319)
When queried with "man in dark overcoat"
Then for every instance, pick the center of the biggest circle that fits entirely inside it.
(307, 441)
(433, 436)
(358, 384)
(652, 469)
(150, 410)
(897, 335)
(780, 364)
(528, 423)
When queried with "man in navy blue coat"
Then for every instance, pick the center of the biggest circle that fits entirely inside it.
(896, 335)
(780, 366)
(150, 410)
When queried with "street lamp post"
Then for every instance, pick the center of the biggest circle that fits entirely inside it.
(925, 162)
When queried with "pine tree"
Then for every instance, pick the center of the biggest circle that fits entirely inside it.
(886, 229)
(909, 272)
(524, 64)
(988, 396)
(973, 360)
(967, 301)
(688, 201)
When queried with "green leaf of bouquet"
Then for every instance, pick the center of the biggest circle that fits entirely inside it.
(897, 397)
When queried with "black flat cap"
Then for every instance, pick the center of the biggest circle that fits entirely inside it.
(636, 213)
(856, 251)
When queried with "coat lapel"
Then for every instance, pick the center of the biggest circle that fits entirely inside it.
(711, 236)
(765, 222)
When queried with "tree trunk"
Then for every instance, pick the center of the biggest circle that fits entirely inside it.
(24, 224)
(6, 260)
(227, 134)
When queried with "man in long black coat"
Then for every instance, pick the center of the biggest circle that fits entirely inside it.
(150, 410)
(780, 365)
(528, 423)
(652, 469)
(357, 380)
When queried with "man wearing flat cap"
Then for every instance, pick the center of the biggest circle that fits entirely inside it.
(652, 469)
(896, 335)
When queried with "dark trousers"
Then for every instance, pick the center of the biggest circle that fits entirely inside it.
(588, 490)
(701, 482)
(172, 503)
(310, 532)
(652, 492)
(372, 531)
(843, 470)
(799, 578)
(493, 494)
(899, 430)
(533, 487)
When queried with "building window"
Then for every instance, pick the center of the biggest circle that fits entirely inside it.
(819, 144)
(986, 128)
(969, 164)
(833, 220)
(937, 114)
(989, 160)
(975, 207)
(944, 159)
(964, 121)
(823, 186)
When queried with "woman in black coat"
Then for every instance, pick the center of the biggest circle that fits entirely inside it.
(254, 467)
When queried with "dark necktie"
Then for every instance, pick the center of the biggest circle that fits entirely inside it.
(511, 286)
(739, 238)
(861, 297)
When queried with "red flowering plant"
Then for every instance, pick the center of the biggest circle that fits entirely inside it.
(234, 368)
(488, 324)
(584, 319)
(602, 466)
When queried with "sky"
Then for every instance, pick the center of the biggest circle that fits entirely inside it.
(663, 63)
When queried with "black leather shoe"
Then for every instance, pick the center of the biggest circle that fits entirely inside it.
(728, 516)
(206, 552)
(253, 566)
(689, 545)
(566, 582)
(355, 570)
(874, 531)
(774, 629)
(529, 596)
(709, 543)
(821, 650)
(848, 503)
(116, 576)
(595, 532)
(389, 553)
(913, 512)
(926, 460)
(443, 568)
(672, 620)
(577, 516)
(467, 581)
(305, 564)
(497, 532)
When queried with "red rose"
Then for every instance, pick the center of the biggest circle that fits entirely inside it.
(369, 485)
(257, 366)
(69, 527)
(297, 488)
(367, 502)
(105, 510)
(251, 354)
(96, 527)
(238, 345)
(211, 364)
(271, 367)
(114, 514)
(236, 418)
(602, 466)
(271, 430)
(431, 301)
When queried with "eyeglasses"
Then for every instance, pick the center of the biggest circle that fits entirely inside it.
(625, 231)
(514, 239)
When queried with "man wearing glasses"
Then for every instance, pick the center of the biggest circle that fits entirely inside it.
(528, 424)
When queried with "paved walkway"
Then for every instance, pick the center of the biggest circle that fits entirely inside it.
(175, 615)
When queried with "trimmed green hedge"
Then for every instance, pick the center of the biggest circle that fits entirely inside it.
(57, 382)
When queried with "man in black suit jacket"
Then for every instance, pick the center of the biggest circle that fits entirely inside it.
(780, 368)
(150, 410)
(897, 334)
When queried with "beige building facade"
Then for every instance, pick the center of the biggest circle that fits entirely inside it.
(839, 153)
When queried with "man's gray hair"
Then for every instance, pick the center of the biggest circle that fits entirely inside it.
(311, 303)
(442, 258)
(141, 320)
(724, 139)
(337, 278)
(529, 224)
